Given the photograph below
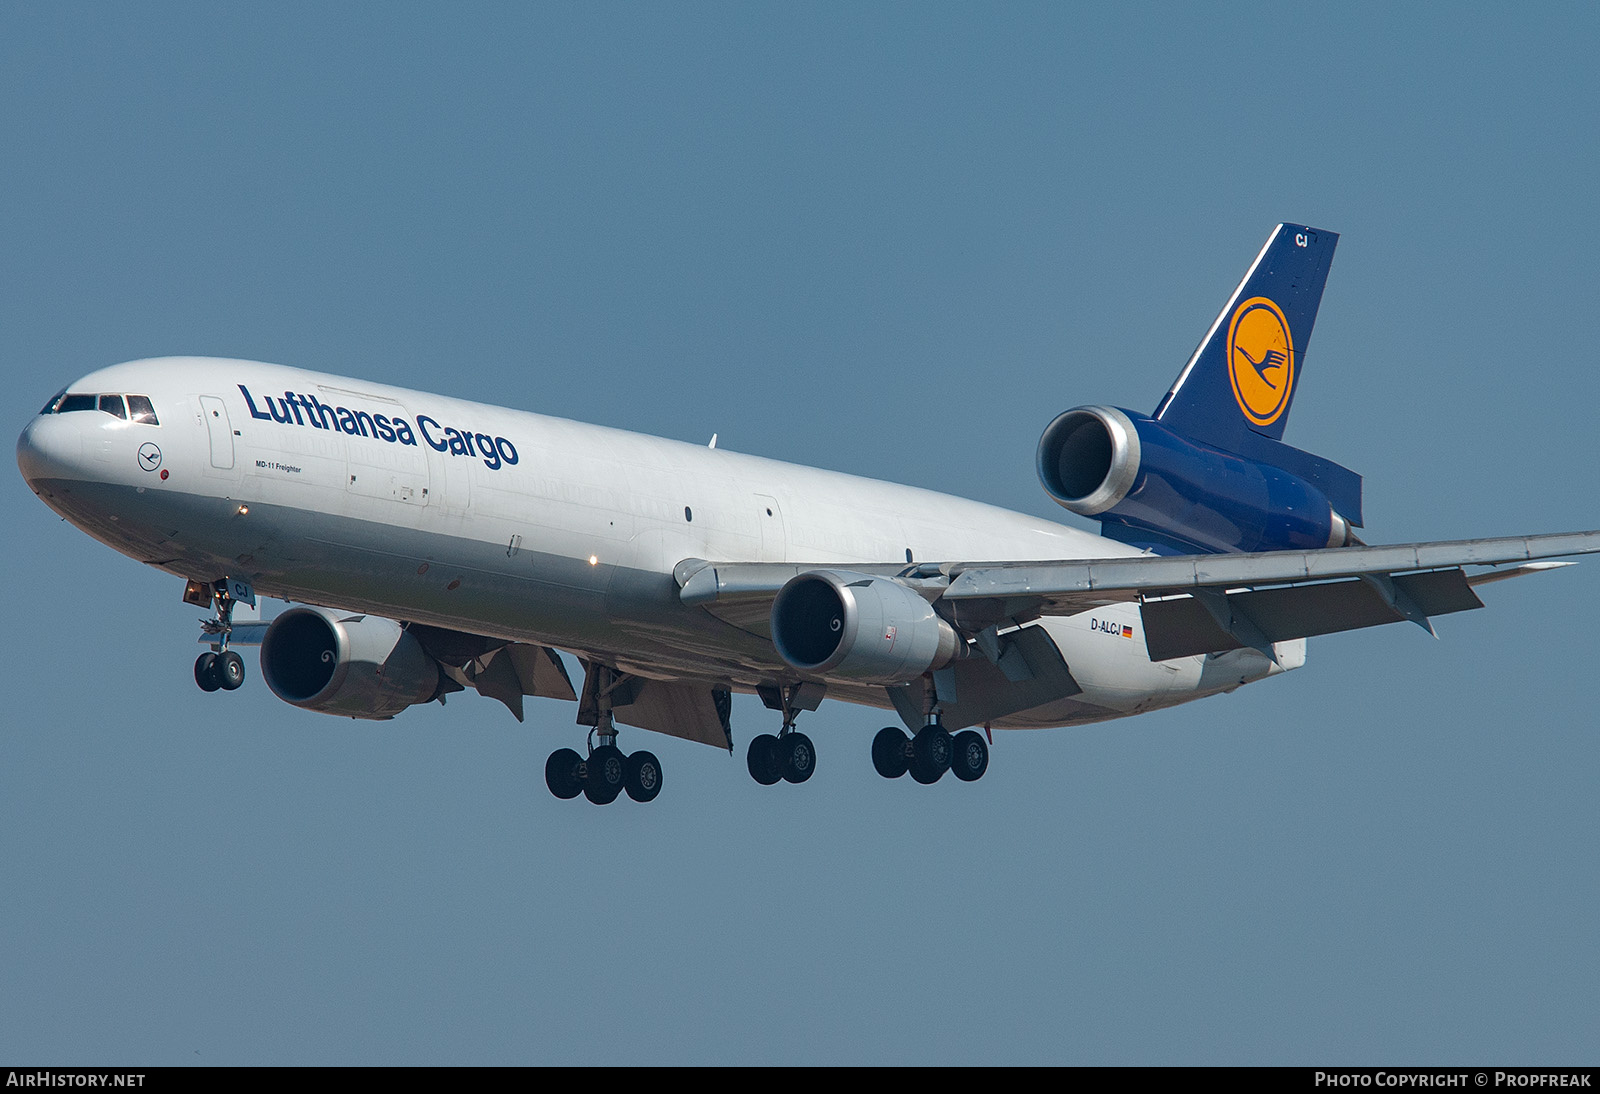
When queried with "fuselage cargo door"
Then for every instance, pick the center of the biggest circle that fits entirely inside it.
(380, 466)
(220, 430)
(774, 543)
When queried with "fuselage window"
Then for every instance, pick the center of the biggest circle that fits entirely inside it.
(50, 407)
(69, 403)
(141, 409)
(112, 405)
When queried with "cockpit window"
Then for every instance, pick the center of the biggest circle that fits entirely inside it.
(141, 409)
(138, 407)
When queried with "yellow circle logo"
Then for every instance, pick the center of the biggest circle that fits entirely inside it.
(1260, 360)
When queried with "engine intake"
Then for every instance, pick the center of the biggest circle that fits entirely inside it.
(860, 627)
(1151, 487)
(360, 666)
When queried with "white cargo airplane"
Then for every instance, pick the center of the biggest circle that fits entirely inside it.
(435, 545)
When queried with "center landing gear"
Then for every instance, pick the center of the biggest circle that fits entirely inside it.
(607, 771)
(790, 756)
(219, 667)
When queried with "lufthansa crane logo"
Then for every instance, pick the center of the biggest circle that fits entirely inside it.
(1260, 360)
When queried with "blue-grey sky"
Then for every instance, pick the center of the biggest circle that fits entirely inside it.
(890, 239)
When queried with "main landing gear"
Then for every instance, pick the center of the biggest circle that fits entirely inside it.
(605, 774)
(607, 771)
(929, 754)
(218, 667)
(790, 756)
(933, 751)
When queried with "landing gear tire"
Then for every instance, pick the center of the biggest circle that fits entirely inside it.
(889, 752)
(797, 757)
(229, 670)
(930, 753)
(762, 759)
(969, 759)
(561, 773)
(606, 773)
(641, 776)
(205, 672)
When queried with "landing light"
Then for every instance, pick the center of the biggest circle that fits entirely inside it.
(594, 560)
(243, 510)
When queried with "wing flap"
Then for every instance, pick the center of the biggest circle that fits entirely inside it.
(497, 669)
(1183, 626)
(975, 691)
(694, 712)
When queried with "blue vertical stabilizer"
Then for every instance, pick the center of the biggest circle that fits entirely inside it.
(1240, 382)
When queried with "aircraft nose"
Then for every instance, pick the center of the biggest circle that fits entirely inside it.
(48, 449)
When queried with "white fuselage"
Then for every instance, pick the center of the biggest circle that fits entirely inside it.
(518, 526)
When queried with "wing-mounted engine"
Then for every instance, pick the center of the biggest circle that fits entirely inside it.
(359, 666)
(1154, 488)
(860, 627)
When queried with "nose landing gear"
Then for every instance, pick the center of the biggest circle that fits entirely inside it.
(223, 670)
(219, 667)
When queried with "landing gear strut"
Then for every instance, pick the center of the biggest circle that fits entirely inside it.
(790, 756)
(607, 771)
(219, 667)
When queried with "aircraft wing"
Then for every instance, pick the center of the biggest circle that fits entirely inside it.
(1191, 604)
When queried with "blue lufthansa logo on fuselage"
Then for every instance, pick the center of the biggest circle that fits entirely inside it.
(149, 456)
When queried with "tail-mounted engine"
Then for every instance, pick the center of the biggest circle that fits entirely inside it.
(360, 666)
(872, 630)
(1151, 487)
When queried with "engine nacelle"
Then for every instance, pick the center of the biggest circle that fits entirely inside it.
(868, 629)
(358, 666)
(1133, 472)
